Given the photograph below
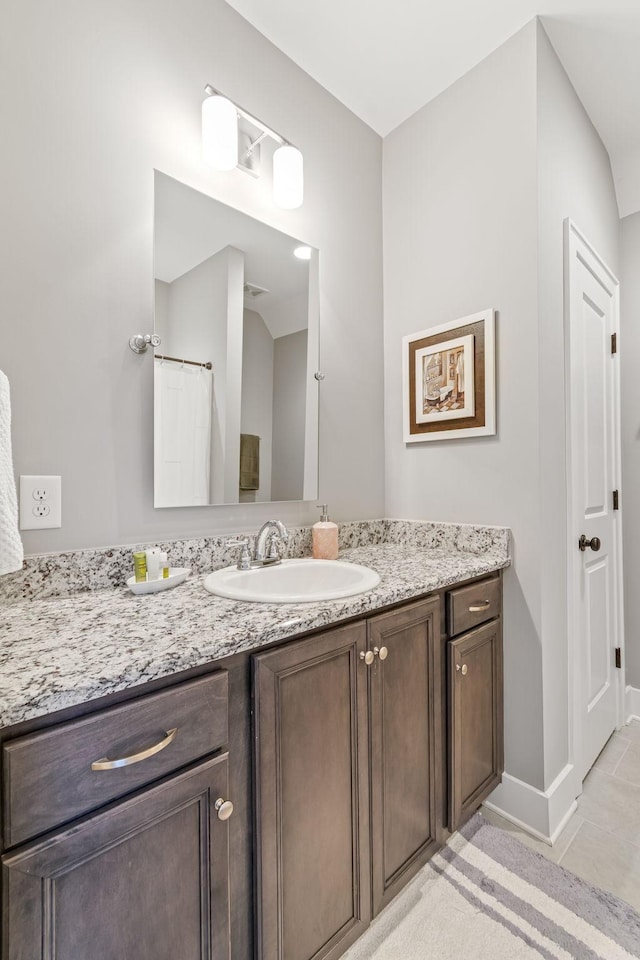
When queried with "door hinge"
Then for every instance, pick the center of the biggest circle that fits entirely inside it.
(618, 658)
(614, 343)
(616, 500)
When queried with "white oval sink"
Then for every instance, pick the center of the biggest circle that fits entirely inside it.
(293, 581)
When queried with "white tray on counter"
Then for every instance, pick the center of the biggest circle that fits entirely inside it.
(176, 575)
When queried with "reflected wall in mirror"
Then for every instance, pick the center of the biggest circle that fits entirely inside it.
(235, 396)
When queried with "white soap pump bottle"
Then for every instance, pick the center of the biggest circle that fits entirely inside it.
(325, 537)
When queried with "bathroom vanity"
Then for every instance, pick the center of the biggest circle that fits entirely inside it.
(371, 740)
(266, 801)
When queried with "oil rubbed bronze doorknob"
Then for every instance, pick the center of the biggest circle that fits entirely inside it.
(594, 543)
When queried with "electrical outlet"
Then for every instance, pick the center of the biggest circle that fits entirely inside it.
(40, 502)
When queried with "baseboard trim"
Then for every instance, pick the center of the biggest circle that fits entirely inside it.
(542, 813)
(632, 703)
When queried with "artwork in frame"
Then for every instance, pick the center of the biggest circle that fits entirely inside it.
(449, 380)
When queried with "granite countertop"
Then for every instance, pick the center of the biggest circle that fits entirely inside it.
(63, 651)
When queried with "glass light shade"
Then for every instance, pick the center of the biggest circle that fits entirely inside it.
(219, 133)
(287, 177)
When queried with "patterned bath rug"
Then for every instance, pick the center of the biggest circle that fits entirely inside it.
(486, 896)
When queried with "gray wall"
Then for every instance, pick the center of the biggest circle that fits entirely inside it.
(121, 96)
(476, 187)
(460, 212)
(289, 363)
(256, 411)
(630, 389)
(574, 180)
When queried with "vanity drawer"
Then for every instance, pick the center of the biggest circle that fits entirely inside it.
(48, 777)
(470, 606)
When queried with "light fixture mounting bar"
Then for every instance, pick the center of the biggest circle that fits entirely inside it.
(254, 143)
(267, 131)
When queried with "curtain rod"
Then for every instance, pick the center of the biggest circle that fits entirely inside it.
(193, 363)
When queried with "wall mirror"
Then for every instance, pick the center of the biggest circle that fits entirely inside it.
(235, 393)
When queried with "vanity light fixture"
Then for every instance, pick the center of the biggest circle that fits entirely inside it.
(302, 253)
(219, 133)
(220, 147)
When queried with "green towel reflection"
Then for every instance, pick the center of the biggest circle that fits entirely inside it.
(249, 461)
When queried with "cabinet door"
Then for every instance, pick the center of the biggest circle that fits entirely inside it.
(406, 763)
(476, 734)
(147, 878)
(313, 864)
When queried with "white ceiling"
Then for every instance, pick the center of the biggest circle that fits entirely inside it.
(190, 227)
(384, 60)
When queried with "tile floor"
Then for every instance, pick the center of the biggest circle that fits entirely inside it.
(601, 841)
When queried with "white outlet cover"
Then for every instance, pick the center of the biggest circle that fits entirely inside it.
(36, 494)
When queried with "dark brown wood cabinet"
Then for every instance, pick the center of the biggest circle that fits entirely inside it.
(474, 696)
(352, 707)
(312, 793)
(49, 777)
(145, 878)
(143, 868)
(405, 747)
(475, 718)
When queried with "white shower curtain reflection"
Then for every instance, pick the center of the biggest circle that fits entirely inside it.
(182, 434)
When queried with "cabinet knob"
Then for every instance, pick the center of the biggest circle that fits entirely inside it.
(464, 669)
(224, 808)
(368, 657)
(381, 652)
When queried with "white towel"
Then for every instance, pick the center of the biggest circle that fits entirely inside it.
(11, 551)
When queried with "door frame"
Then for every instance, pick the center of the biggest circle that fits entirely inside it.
(573, 240)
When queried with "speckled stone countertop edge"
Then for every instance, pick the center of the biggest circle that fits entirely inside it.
(86, 570)
(59, 653)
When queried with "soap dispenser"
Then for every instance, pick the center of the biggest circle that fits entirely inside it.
(325, 537)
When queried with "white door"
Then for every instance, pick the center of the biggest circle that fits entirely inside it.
(595, 554)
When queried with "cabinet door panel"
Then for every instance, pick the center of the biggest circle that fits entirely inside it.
(311, 792)
(475, 719)
(147, 878)
(406, 762)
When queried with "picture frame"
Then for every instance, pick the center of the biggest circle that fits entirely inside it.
(448, 380)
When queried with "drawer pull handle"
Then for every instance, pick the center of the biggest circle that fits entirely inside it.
(480, 607)
(381, 652)
(106, 764)
(368, 657)
(464, 669)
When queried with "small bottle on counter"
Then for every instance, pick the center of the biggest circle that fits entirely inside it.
(153, 564)
(164, 565)
(325, 537)
(140, 566)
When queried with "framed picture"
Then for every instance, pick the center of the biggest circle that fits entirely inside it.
(449, 380)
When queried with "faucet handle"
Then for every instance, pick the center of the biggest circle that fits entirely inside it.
(274, 547)
(244, 560)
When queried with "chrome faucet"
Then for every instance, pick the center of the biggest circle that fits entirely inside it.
(270, 533)
(266, 552)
